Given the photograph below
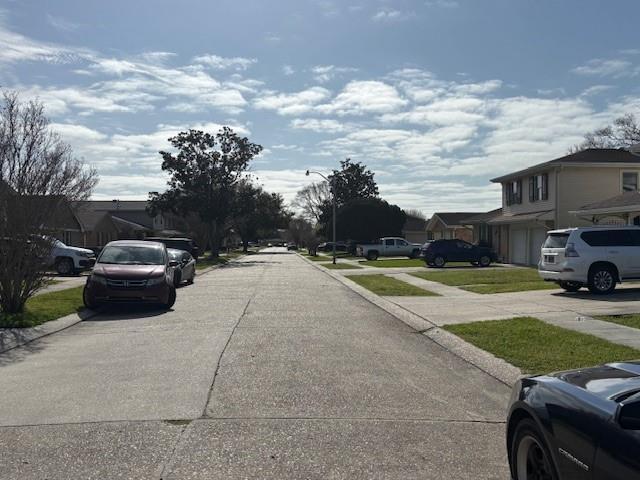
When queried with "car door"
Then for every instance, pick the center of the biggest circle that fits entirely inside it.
(389, 247)
(188, 265)
(621, 252)
(618, 456)
(402, 247)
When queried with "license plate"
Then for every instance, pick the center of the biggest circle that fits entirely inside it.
(550, 259)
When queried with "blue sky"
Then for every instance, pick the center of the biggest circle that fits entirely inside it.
(435, 96)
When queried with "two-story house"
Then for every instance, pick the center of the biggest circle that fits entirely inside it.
(546, 196)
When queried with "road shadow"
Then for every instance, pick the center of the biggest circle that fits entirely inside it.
(20, 353)
(622, 295)
(127, 311)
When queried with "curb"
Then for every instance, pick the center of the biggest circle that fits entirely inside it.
(11, 338)
(495, 367)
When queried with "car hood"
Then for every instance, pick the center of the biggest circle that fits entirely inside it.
(606, 381)
(80, 250)
(128, 272)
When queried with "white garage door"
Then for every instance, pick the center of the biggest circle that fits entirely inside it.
(537, 236)
(518, 245)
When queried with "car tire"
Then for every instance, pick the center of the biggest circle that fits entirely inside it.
(172, 298)
(439, 261)
(414, 254)
(88, 301)
(372, 256)
(64, 266)
(484, 261)
(570, 286)
(177, 278)
(529, 454)
(602, 280)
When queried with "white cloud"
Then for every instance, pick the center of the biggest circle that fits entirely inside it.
(615, 68)
(223, 63)
(364, 97)
(325, 73)
(288, 70)
(291, 103)
(391, 15)
(320, 125)
(62, 24)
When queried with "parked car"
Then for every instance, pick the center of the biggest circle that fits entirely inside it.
(131, 271)
(595, 257)
(186, 268)
(292, 246)
(186, 244)
(68, 260)
(579, 424)
(438, 252)
(389, 247)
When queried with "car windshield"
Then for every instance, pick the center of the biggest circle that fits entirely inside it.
(174, 254)
(131, 255)
(556, 240)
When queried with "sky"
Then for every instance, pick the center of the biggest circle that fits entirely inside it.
(435, 96)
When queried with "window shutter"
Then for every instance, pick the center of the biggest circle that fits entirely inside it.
(532, 189)
(519, 199)
(545, 186)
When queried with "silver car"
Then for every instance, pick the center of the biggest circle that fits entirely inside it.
(185, 271)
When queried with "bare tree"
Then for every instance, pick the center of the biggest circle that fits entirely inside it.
(39, 177)
(623, 133)
(311, 198)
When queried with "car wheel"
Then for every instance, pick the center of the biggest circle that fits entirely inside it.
(570, 286)
(88, 300)
(172, 298)
(439, 261)
(64, 266)
(177, 278)
(484, 261)
(372, 256)
(602, 280)
(414, 254)
(530, 457)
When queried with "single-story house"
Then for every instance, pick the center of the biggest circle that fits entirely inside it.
(483, 232)
(415, 229)
(449, 225)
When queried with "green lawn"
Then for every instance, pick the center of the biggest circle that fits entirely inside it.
(393, 263)
(537, 347)
(341, 266)
(45, 307)
(382, 285)
(482, 280)
(317, 258)
(630, 320)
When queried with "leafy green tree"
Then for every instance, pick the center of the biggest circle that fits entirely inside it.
(369, 218)
(203, 177)
(256, 212)
(352, 181)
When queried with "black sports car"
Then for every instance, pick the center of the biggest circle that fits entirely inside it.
(580, 424)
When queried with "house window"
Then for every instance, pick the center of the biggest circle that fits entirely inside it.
(539, 187)
(514, 192)
(629, 181)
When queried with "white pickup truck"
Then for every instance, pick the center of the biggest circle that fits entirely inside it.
(69, 260)
(389, 247)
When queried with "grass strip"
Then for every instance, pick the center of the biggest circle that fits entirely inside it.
(44, 308)
(382, 285)
(488, 281)
(537, 347)
(630, 320)
(341, 266)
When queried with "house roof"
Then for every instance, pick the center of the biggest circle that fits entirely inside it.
(89, 219)
(603, 156)
(628, 201)
(123, 224)
(522, 217)
(116, 205)
(482, 217)
(452, 219)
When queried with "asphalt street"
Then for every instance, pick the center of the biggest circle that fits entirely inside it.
(266, 368)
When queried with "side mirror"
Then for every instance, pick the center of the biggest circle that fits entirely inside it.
(629, 414)
(174, 263)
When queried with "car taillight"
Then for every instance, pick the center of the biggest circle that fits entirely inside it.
(570, 251)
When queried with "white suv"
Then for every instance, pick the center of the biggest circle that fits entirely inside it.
(595, 257)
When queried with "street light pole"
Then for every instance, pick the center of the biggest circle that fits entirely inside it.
(333, 195)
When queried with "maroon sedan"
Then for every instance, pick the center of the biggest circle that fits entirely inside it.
(131, 271)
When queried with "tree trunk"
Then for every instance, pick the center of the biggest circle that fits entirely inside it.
(213, 240)
(245, 246)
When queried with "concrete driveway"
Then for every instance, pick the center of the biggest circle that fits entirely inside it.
(266, 368)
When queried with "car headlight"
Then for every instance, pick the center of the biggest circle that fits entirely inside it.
(156, 280)
(99, 279)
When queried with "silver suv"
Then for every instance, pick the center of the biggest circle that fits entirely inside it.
(595, 257)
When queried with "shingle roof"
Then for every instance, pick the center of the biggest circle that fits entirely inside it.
(89, 219)
(590, 155)
(454, 218)
(482, 217)
(627, 199)
(116, 205)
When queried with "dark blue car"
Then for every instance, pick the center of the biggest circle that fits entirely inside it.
(438, 252)
(576, 425)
